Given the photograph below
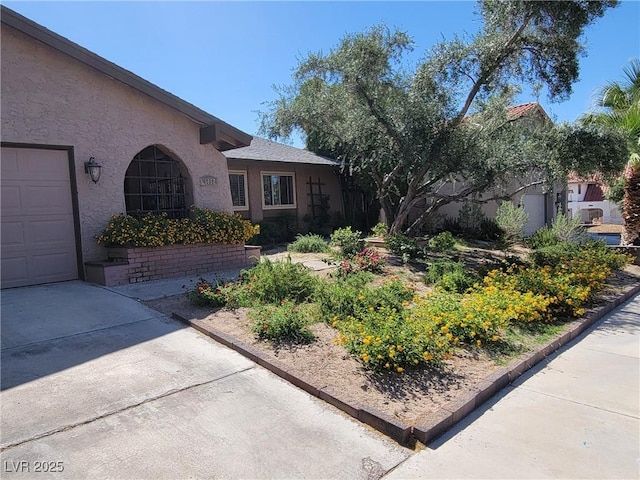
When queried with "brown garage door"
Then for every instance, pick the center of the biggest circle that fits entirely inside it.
(38, 239)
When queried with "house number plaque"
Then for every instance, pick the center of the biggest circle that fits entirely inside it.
(208, 181)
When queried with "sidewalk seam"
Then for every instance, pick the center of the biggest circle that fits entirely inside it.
(124, 409)
(550, 395)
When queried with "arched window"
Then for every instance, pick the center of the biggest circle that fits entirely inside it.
(156, 182)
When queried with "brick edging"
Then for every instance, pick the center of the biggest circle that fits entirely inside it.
(442, 419)
(446, 417)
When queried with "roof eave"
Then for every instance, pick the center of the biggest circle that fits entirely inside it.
(228, 136)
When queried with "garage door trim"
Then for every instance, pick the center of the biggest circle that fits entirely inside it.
(74, 191)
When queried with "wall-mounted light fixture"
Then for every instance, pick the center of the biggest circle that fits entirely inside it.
(93, 169)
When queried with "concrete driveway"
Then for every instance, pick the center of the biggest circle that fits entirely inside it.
(95, 385)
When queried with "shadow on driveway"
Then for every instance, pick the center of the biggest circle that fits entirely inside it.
(49, 328)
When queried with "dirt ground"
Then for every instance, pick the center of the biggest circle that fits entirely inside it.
(408, 397)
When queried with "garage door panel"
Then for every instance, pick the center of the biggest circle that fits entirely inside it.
(15, 271)
(13, 234)
(51, 199)
(47, 267)
(11, 202)
(45, 165)
(50, 232)
(38, 234)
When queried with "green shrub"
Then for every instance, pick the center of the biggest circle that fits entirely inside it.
(285, 321)
(405, 247)
(220, 294)
(543, 237)
(569, 230)
(275, 281)
(555, 254)
(595, 252)
(207, 294)
(512, 220)
(309, 243)
(450, 276)
(443, 242)
(490, 231)
(280, 229)
(350, 296)
(473, 223)
(470, 218)
(342, 296)
(380, 230)
(349, 241)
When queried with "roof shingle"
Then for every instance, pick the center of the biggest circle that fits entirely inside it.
(268, 151)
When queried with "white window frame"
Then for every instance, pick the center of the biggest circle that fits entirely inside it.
(279, 207)
(246, 190)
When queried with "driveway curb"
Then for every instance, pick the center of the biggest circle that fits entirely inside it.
(442, 419)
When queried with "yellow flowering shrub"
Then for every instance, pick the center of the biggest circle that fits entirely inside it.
(157, 230)
(390, 339)
(568, 286)
(480, 316)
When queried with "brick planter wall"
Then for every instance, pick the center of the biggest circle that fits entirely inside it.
(132, 265)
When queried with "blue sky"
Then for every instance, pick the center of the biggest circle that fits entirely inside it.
(224, 57)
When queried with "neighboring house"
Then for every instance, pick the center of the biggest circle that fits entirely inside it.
(269, 179)
(586, 200)
(541, 205)
(63, 105)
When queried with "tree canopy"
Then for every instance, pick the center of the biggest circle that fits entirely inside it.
(442, 132)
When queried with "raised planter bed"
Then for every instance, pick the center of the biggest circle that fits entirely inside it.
(132, 265)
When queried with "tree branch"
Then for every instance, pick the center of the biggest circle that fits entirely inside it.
(484, 75)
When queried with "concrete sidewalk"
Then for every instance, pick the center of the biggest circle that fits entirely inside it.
(577, 415)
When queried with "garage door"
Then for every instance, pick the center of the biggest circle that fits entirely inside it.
(38, 237)
(534, 205)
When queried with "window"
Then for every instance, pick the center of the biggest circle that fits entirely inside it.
(238, 183)
(154, 182)
(278, 190)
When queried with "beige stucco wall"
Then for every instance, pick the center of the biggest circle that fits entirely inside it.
(49, 98)
(328, 175)
(537, 218)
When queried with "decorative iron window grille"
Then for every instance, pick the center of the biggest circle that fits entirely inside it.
(154, 183)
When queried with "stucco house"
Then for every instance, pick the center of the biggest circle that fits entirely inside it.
(542, 205)
(268, 179)
(586, 200)
(65, 110)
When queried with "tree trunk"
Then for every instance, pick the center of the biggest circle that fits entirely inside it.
(631, 206)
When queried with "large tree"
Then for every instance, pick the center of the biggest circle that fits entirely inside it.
(440, 133)
(618, 106)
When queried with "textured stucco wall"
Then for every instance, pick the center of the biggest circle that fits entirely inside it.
(49, 98)
(328, 175)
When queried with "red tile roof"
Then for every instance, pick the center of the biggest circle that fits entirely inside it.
(593, 193)
(573, 177)
(518, 111)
